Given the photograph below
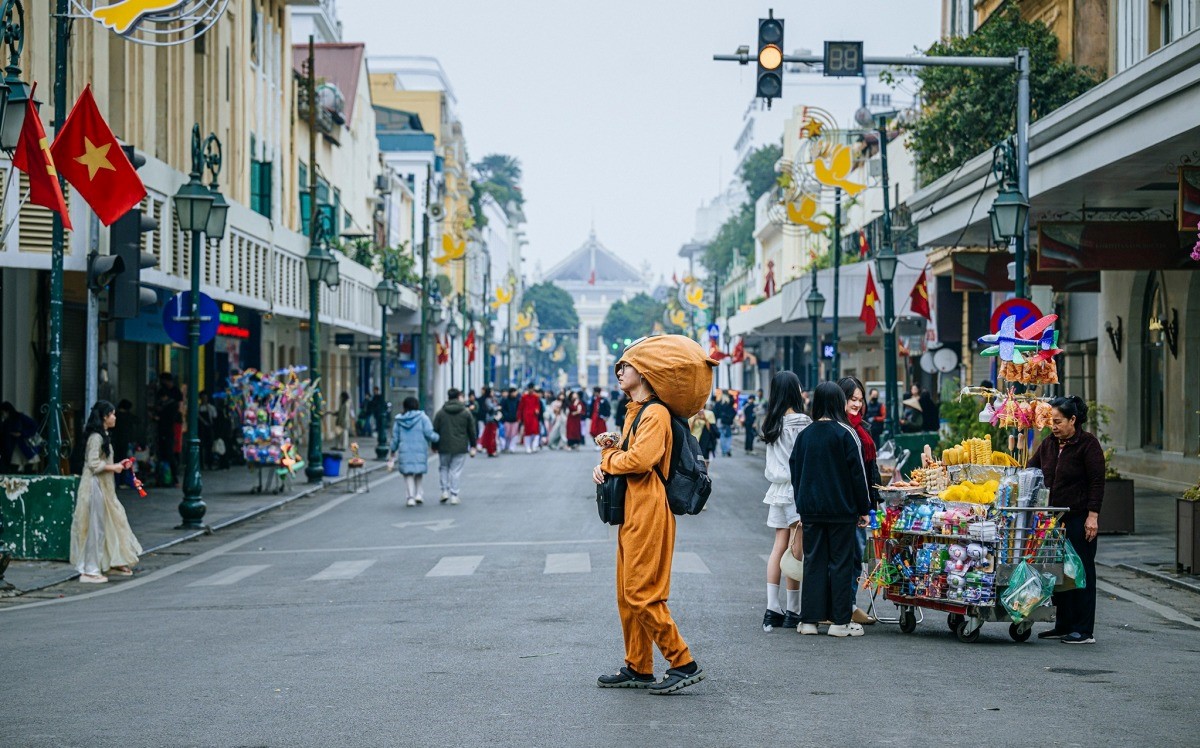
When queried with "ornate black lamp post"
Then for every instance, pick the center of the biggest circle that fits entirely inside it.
(387, 293)
(815, 302)
(322, 267)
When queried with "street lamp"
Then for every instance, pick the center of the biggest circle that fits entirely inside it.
(322, 267)
(387, 293)
(1010, 210)
(14, 92)
(193, 206)
(452, 330)
(726, 337)
(885, 264)
(815, 302)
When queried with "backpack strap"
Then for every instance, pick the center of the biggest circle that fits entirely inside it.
(633, 427)
(675, 443)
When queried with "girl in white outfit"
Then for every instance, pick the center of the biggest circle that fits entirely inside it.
(784, 422)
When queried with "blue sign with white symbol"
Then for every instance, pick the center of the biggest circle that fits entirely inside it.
(830, 350)
(176, 315)
(714, 331)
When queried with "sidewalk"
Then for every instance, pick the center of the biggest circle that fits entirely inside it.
(230, 498)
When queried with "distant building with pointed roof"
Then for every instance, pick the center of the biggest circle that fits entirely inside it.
(596, 278)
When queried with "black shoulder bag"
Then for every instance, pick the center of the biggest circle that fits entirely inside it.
(610, 495)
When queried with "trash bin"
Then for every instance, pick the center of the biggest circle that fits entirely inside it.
(332, 462)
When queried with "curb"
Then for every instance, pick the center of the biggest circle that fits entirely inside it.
(1160, 576)
(212, 529)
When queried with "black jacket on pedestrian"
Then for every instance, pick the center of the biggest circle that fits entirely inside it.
(1074, 474)
(455, 427)
(725, 412)
(508, 407)
(829, 479)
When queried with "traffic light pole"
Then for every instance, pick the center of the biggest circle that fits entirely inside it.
(837, 284)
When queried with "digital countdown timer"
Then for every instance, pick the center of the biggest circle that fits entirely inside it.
(843, 59)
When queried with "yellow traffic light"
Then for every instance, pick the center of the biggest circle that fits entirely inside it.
(770, 57)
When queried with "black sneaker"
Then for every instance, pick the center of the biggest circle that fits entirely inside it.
(772, 620)
(626, 678)
(791, 620)
(675, 680)
(1052, 634)
(1077, 638)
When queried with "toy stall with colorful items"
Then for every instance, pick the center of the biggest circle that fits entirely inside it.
(274, 408)
(973, 534)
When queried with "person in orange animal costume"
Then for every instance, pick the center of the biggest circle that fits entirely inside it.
(662, 376)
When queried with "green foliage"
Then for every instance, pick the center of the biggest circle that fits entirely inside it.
(500, 177)
(555, 307)
(969, 110)
(445, 286)
(736, 235)
(631, 319)
(962, 421)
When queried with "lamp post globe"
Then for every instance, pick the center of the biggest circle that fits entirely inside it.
(218, 215)
(193, 203)
(1011, 210)
(385, 293)
(815, 302)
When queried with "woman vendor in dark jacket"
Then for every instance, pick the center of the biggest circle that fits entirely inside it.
(1072, 461)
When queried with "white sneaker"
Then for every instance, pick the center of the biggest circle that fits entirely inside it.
(849, 629)
(445, 496)
(419, 500)
(411, 501)
(454, 499)
(807, 629)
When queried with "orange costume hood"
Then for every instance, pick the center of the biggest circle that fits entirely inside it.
(677, 368)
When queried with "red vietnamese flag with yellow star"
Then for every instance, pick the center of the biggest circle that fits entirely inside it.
(867, 315)
(90, 158)
(920, 298)
(33, 157)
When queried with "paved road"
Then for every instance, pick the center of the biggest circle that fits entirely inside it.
(350, 620)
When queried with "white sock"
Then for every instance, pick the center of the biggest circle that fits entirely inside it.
(773, 597)
(793, 601)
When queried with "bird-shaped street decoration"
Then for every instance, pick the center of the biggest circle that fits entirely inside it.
(677, 317)
(503, 296)
(124, 16)
(695, 297)
(803, 214)
(558, 355)
(451, 250)
(547, 342)
(834, 170)
(530, 336)
(524, 320)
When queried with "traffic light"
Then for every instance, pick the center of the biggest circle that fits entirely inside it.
(770, 58)
(125, 243)
(102, 269)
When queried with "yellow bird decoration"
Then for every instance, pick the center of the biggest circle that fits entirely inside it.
(803, 213)
(451, 250)
(530, 336)
(503, 296)
(524, 320)
(547, 342)
(558, 356)
(832, 171)
(123, 16)
(678, 317)
(695, 297)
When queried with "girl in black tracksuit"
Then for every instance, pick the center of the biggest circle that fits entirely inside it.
(829, 483)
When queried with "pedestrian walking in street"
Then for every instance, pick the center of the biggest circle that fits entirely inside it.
(487, 412)
(557, 433)
(852, 388)
(101, 541)
(509, 406)
(646, 538)
(726, 412)
(412, 435)
(703, 426)
(575, 411)
(876, 415)
(379, 409)
(124, 436)
(529, 413)
(455, 427)
(829, 481)
(342, 418)
(749, 418)
(599, 412)
(1072, 462)
(930, 417)
(783, 423)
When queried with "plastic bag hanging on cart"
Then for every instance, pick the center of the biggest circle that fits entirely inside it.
(1026, 590)
(1073, 565)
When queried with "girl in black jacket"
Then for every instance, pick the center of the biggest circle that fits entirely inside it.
(829, 481)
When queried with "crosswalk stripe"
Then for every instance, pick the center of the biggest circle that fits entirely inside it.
(455, 566)
(568, 563)
(232, 575)
(342, 570)
(686, 562)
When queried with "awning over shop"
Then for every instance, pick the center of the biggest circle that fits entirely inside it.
(853, 280)
(761, 319)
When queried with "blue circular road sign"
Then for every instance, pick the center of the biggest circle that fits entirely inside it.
(176, 314)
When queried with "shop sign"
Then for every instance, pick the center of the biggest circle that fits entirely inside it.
(974, 272)
(1110, 245)
(156, 23)
(230, 324)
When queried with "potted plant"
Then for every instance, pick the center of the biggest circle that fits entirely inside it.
(1117, 512)
(1187, 530)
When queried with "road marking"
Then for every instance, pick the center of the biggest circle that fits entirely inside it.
(221, 550)
(765, 556)
(342, 570)
(568, 563)
(455, 566)
(435, 525)
(1166, 612)
(427, 546)
(689, 563)
(232, 575)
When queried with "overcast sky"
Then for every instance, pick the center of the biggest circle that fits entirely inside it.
(616, 110)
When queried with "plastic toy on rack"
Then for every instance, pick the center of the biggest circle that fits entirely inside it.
(274, 407)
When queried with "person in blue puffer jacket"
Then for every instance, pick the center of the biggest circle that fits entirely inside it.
(412, 433)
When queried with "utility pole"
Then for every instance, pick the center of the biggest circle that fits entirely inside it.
(424, 385)
(837, 285)
(54, 408)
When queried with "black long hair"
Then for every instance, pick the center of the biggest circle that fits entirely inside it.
(95, 425)
(785, 395)
(1071, 407)
(829, 402)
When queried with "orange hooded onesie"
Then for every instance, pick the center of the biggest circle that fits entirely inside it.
(680, 373)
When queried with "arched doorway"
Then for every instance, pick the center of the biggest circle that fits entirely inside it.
(1154, 364)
